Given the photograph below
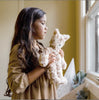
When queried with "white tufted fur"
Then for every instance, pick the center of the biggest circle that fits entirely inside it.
(55, 71)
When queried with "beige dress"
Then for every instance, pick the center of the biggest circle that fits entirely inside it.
(19, 85)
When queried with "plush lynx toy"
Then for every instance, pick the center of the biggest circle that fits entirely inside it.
(55, 71)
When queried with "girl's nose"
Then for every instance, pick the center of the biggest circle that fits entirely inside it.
(46, 28)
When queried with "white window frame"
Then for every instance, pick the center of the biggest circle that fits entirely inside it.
(90, 14)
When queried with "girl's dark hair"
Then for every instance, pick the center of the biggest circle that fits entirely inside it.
(23, 32)
(23, 35)
(23, 25)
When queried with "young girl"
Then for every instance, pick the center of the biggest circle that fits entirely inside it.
(26, 79)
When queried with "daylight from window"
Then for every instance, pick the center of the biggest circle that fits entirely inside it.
(93, 37)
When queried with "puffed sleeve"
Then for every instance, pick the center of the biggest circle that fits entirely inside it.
(17, 79)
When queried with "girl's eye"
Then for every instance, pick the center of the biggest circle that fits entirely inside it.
(42, 23)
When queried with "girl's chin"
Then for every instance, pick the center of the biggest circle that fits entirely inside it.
(43, 37)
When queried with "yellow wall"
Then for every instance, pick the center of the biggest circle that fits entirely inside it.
(8, 12)
(77, 29)
(60, 14)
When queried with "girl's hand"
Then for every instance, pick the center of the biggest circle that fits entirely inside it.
(61, 52)
(52, 58)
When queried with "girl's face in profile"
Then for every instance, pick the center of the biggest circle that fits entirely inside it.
(40, 28)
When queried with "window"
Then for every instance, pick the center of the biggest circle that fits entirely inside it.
(92, 37)
(89, 3)
(97, 42)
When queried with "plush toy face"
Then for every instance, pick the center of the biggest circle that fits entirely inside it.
(58, 40)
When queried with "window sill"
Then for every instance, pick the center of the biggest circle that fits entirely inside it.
(93, 76)
(92, 87)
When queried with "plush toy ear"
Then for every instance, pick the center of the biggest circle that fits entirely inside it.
(56, 31)
(66, 37)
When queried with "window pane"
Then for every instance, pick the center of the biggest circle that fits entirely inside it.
(89, 3)
(97, 42)
(92, 45)
(92, 37)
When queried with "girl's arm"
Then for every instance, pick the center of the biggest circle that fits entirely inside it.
(18, 80)
(35, 73)
(38, 71)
